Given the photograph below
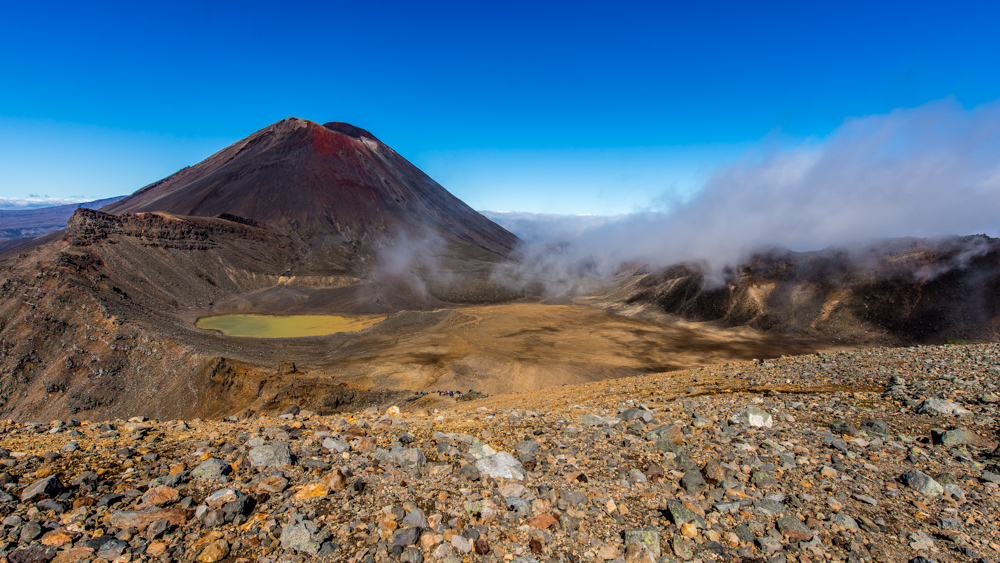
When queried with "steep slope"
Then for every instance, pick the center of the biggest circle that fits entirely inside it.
(335, 188)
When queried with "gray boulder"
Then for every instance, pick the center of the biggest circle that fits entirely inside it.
(922, 483)
(501, 466)
(941, 407)
(336, 445)
(211, 468)
(271, 455)
(302, 535)
(753, 416)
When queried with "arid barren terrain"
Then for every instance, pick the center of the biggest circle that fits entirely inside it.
(98, 320)
(870, 455)
(780, 411)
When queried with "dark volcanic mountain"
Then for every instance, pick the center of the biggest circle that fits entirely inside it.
(336, 189)
(296, 218)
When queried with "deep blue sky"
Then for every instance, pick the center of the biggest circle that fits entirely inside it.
(584, 107)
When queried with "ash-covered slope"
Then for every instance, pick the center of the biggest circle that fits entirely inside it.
(900, 291)
(335, 188)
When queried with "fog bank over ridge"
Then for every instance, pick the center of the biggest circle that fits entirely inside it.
(928, 171)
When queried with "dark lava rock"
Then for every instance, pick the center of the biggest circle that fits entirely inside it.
(680, 514)
(33, 554)
(693, 482)
(405, 537)
(792, 527)
(876, 427)
(48, 487)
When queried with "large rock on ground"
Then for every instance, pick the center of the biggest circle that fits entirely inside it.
(302, 535)
(123, 519)
(941, 407)
(753, 416)
(501, 466)
(922, 483)
(212, 468)
(48, 487)
(271, 455)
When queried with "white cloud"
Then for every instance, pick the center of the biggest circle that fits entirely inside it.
(546, 227)
(928, 171)
(35, 202)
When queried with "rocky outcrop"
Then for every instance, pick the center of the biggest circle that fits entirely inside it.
(900, 291)
(87, 226)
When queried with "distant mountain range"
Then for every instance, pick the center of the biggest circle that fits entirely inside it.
(21, 225)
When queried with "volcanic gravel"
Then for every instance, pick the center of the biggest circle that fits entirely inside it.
(862, 455)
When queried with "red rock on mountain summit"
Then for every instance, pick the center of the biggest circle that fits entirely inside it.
(334, 187)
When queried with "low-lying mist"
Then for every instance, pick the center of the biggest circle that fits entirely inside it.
(930, 171)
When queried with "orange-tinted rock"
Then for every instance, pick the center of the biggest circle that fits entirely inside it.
(215, 551)
(123, 519)
(56, 538)
(542, 521)
(74, 555)
(312, 490)
(337, 480)
(156, 548)
(161, 495)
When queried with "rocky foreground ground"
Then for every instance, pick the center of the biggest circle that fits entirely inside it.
(867, 455)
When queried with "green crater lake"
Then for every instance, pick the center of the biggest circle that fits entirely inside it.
(290, 326)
